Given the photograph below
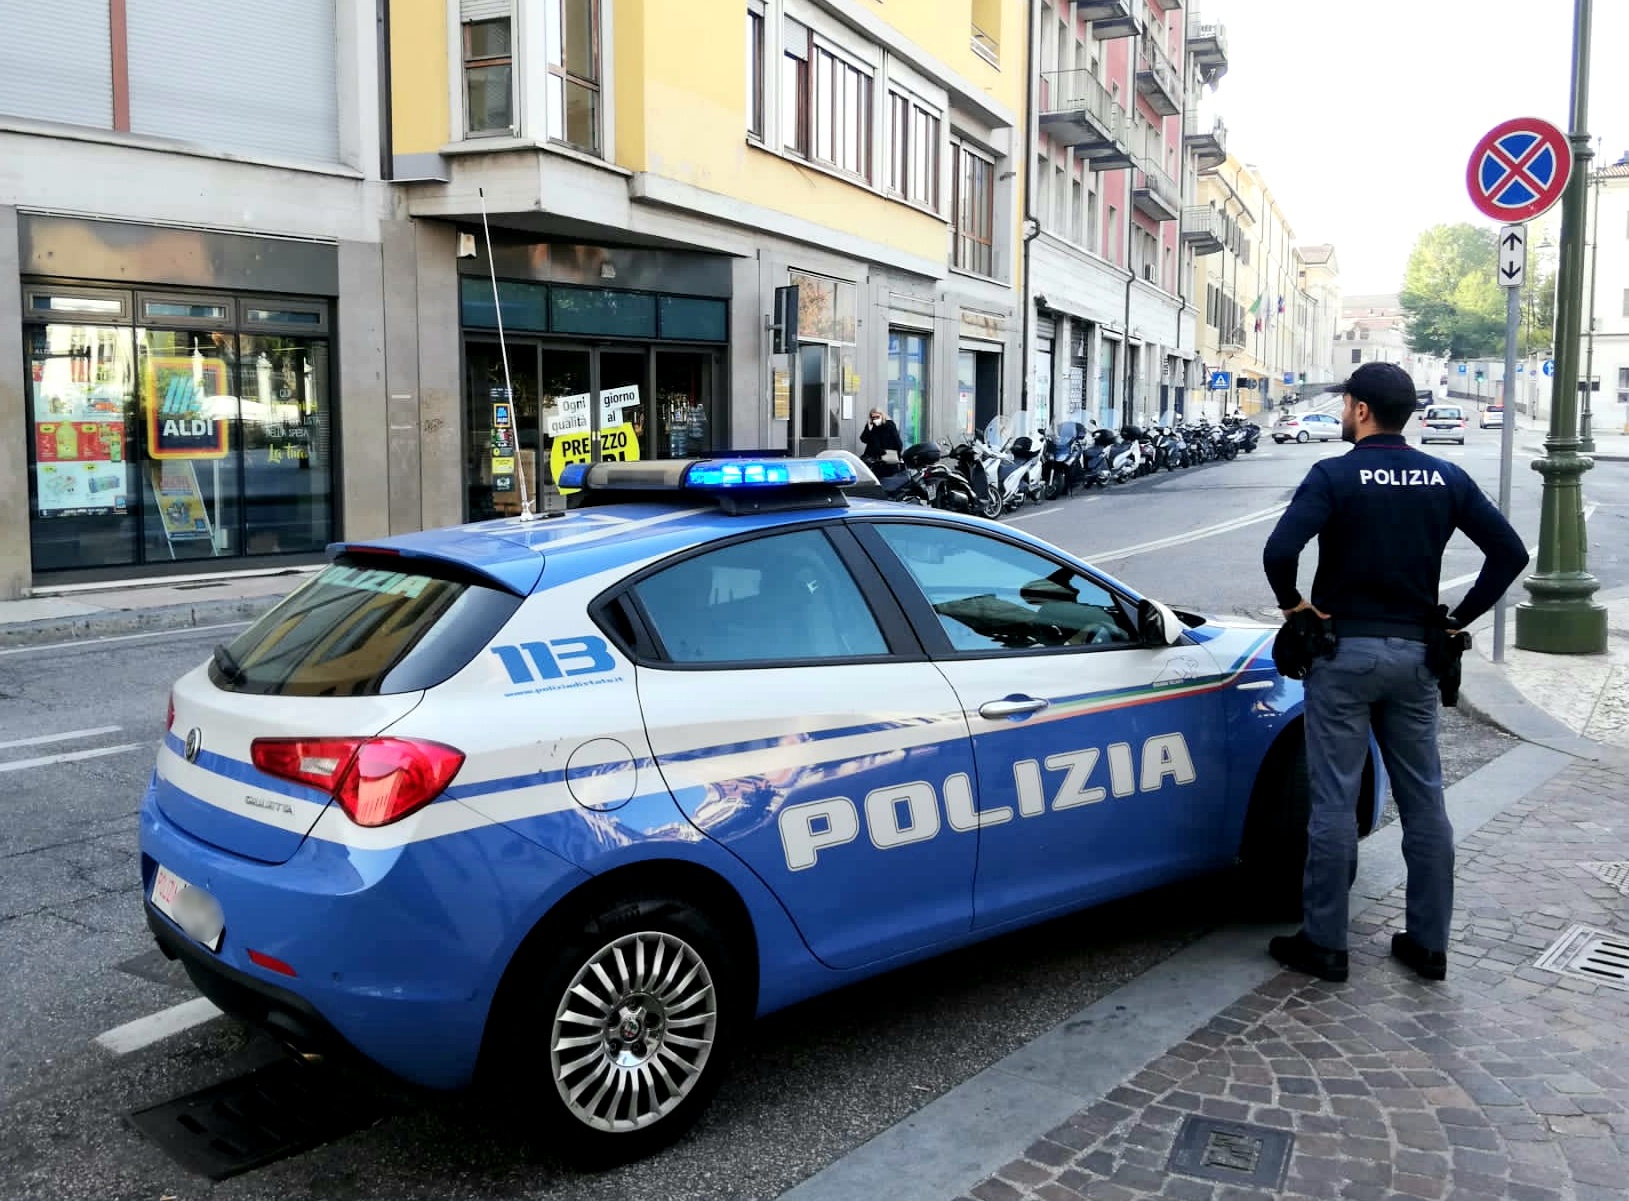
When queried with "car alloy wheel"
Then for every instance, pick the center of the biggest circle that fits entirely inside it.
(633, 1032)
(1303, 437)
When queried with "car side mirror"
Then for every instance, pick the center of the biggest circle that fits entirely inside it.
(1158, 624)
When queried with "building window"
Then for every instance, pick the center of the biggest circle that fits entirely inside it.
(842, 114)
(1357, 355)
(795, 88)
(913, 151)
(489, 77)
(1111, 242)
(973, 210)
(908, 360)
(574, 73)
(755, 71)
(1623, 377)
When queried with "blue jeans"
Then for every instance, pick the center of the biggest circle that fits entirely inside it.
(1383, 683)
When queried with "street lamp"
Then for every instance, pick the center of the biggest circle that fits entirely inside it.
(1561, 615)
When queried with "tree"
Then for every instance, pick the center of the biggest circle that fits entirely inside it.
(1453, 303)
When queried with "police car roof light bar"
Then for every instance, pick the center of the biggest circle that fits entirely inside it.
(735, 486)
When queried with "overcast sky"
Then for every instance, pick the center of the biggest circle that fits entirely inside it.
(1362, 114)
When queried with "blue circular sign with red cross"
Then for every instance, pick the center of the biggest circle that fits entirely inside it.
(1519, 169)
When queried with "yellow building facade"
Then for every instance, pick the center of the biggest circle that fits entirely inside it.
(651, 173)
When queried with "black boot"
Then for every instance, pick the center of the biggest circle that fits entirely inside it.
(1300, 954)
(1428, 965)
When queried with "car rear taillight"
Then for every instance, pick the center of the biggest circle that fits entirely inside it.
(375, 780)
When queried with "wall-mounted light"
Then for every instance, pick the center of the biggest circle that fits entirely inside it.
(608, 270)
(466, 246)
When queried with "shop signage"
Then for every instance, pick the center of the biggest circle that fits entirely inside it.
(79, 468)
(180, 502)
(179, 423)
(975, 324)
(574, 442)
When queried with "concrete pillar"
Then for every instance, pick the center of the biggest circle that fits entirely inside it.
(441, 422)
(16, 569)
(365, 464)
(399, 431)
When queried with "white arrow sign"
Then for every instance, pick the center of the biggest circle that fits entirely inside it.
(1512, 255)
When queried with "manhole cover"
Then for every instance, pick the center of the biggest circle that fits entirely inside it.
(1232, 1152)
(1615, 874)
(245, 1123)
(1588, 954)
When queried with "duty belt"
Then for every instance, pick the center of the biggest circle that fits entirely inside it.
(1371, 627)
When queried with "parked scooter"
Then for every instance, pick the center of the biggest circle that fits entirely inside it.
(976, 464)
(1066, 460)
(946, 488)
(1020, 476)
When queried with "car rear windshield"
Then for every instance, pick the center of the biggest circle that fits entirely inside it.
(366, 626)
(1440, 412)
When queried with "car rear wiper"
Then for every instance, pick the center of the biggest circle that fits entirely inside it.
(230, 667)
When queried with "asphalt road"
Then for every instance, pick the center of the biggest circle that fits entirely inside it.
(80, 725)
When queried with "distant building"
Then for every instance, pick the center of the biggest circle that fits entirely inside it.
(1374, 329)
(1609, 363)
(1319, 277)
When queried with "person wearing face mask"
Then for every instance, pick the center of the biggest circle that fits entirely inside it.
(879, 436)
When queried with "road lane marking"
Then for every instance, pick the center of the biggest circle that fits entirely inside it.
(1209, 531)
(73, 756)
(155, 1027)
(57, 646)
(66, 736)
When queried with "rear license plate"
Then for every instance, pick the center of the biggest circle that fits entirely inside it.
(188, 906)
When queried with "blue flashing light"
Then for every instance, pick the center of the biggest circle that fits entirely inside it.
(769, 473)
(573, 475)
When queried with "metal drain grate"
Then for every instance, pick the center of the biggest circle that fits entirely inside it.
(1615, 874)
(1588, 954)
(1232, 1152)
(248, 1122)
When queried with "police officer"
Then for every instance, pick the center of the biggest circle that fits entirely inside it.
(1382, 514)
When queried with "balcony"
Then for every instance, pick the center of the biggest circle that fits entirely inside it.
(1166, 6)
(1110, 18)
(1202, 230)
(1158, 81)
(1154, 193)
(1209, 146)
(1232, 339)
(986, 47)
(1208, 44)
(1078, 112)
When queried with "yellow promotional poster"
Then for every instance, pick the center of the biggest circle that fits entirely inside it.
(503, 465)
(180, 501)
(619, 443)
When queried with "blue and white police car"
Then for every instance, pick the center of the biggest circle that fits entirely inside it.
(564, 803)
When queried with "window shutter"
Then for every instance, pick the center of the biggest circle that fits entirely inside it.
(56, 63)
(254, 78)
(483, 10)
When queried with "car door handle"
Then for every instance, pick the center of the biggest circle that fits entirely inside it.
(1014, 706)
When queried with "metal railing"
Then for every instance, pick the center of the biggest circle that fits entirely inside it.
(1152, 176)
(1079, 90)
(986, 47)
(1210, 31)
(1154, 60)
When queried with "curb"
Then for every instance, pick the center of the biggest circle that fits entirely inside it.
(134, 621)
(1600, 456)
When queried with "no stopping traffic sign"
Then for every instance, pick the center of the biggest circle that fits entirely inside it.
(1519, 169)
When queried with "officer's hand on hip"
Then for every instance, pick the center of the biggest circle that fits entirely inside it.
(1305, 604)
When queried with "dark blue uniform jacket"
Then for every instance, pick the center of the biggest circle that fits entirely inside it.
(1382, 514)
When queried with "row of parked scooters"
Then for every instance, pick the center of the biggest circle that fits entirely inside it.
(1000, 470)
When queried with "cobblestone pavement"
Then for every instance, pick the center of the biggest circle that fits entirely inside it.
(1505, 1081)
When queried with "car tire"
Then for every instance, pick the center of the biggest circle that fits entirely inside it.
(598, 1103)
(1273, 854)
(1303, 437)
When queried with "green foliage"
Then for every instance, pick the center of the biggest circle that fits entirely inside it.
(1454, 305)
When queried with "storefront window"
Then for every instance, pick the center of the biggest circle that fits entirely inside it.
(908, 384)
(190, 434)
(83, 414)
(494, 458)
(286, 444)
(152, 445)
(684, 391)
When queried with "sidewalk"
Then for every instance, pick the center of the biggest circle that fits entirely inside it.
(181, 603)
(1610, 447)
(1219, 1077)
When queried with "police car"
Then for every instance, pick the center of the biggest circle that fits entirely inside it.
(562, 804)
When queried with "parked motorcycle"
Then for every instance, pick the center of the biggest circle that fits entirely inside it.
(976, 464)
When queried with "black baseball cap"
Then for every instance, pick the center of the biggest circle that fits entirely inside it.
(1379, 385)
